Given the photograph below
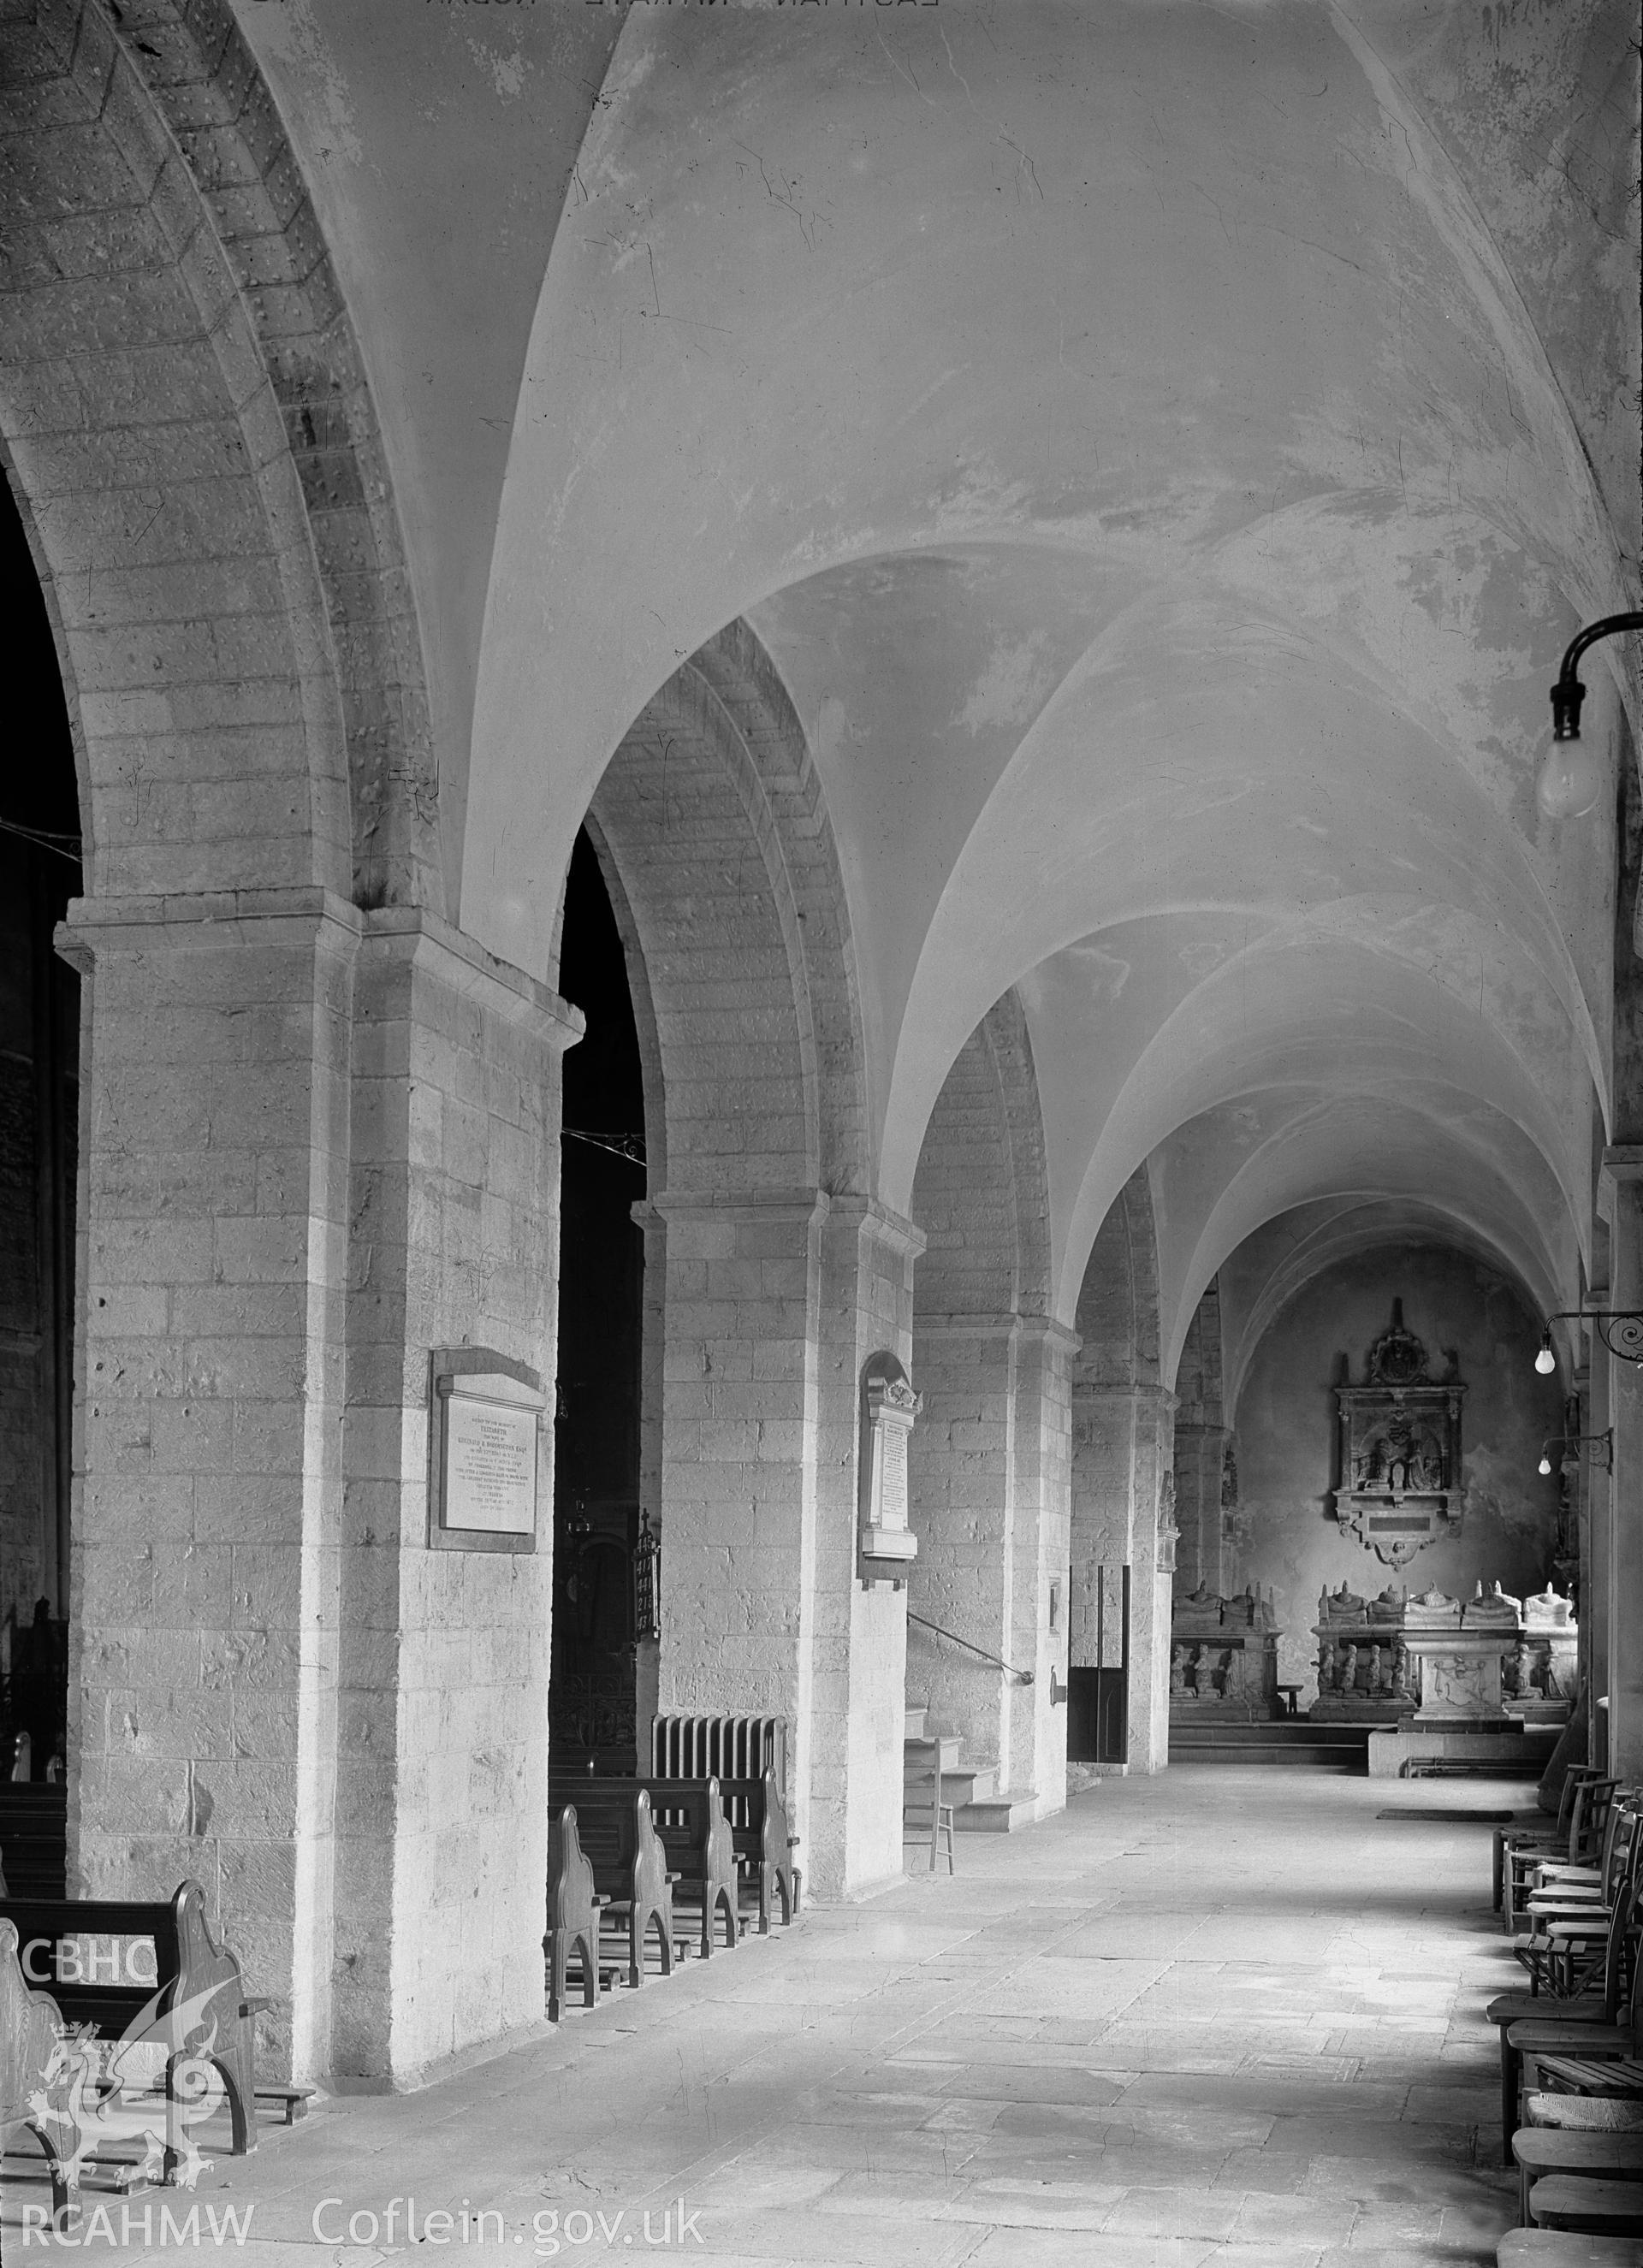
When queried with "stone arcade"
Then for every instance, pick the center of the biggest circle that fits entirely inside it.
(768, 739)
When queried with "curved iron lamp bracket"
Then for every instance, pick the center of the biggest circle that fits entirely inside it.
(1568, 693)
(1597, 1448)
(1623, 1340)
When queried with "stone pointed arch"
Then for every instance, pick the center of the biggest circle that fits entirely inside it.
(780, 1274)
(185, 414)
(713, 823)
(1123, 1447)
(988, 1458)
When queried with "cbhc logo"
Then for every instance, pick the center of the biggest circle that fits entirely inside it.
(128, 1961)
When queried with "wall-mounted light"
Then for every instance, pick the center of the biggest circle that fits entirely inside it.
(1570, 776)
(1597, 1448)
(1624, 1340)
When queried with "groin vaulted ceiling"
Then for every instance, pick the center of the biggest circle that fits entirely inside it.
(1163, 447)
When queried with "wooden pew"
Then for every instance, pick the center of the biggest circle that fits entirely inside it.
(33, 1836)
(630, 1866)
(192, 2001)
(690, 1817)
(745, 1753)
(764, 1843)
(574, 1911)
(30, 2027)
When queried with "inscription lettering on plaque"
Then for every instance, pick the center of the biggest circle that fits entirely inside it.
(484, 1454)
(893, 1484)
(490, 1468)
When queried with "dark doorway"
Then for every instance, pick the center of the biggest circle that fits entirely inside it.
(40, 1040)
(592, 1689)
(1098, 1694)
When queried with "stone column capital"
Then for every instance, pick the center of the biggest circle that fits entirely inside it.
(802, 1206)
(1140, 1396)
(1620, 1167)
(893, 1230)
(204, 921)
(420, 942)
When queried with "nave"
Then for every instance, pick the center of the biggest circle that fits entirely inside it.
(1217, 2015)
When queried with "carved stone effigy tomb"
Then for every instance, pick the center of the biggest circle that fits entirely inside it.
(1434, 1661)
(1363, 1663)
(1223, 1658)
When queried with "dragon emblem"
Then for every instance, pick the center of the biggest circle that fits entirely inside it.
(150, 2086)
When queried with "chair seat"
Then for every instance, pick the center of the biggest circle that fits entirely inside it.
(1567, 2150)
(1599, 2208)
(1536, 2008)
(1585, 2114)
(1544, 2248)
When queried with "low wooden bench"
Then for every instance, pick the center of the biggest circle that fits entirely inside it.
(617, 1838)
(192, 2001)
(31, 2028)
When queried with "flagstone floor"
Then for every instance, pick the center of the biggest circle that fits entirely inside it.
(1224, 2015)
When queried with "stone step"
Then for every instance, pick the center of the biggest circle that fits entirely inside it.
(1276, 1732)
(916, 1754)
(913, 1720)
(1323, 1757)
(960, 1788)
(996, 1815)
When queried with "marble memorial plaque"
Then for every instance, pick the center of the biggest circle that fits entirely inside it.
(489, 1466)
(485, 1459)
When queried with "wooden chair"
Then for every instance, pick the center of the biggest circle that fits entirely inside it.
(1552, 1840)
(1592, 2208)
(923, 1811)
(1571, 1919)
(1604, 2016)
(1601, 2155)
(1588, 1818)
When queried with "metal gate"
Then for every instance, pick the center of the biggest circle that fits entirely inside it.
(1098, 1694)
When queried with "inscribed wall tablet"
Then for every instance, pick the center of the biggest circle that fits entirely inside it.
(485, 1453)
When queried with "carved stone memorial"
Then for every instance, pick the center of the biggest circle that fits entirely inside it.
(889, 1409)
(1400, 1485)
(1437, 1662)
